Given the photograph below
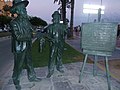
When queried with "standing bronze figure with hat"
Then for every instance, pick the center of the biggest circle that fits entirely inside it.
(21, 42)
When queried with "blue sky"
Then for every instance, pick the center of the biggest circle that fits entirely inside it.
(45, 8)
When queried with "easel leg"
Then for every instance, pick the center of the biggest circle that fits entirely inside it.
(107, 73)
(82, 69)
(95, 66)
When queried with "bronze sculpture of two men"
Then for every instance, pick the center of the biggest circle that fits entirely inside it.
(21, 30)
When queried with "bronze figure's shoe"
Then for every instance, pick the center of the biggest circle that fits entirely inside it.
(35, 79)
(18, 87)
(49, 74)
(61, 70)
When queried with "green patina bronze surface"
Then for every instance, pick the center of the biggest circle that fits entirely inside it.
(56, 36)
(21, 42)
(99, 38)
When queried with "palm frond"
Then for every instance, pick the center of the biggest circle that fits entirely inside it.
(55, 1)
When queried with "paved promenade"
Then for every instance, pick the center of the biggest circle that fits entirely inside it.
(65, 81)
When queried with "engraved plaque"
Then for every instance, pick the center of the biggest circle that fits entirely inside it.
(99, 38)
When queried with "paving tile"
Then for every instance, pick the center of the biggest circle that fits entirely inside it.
(80, 87)
(41, 72)
(45, 84)
(62, 86)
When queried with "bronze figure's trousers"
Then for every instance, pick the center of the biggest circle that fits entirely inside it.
(55, 57)
(20, 59)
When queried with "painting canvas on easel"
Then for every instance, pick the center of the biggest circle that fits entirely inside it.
(98, 38)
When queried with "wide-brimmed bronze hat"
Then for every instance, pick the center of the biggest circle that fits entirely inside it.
(17, 3)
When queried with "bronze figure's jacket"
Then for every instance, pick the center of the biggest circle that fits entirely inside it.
(21, 34)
